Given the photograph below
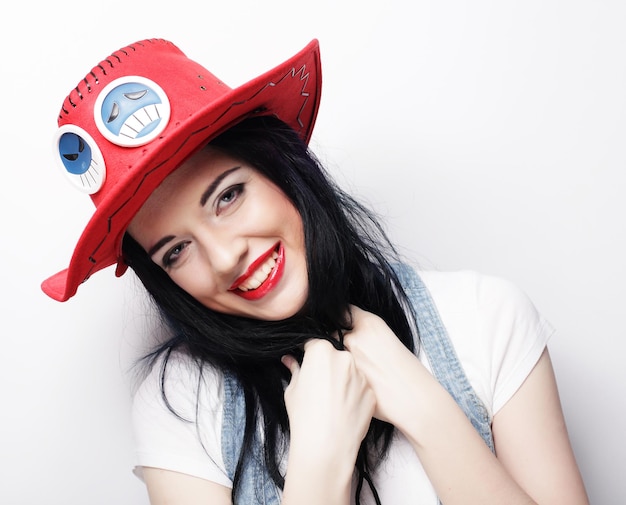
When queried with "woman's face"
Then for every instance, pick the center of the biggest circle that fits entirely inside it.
(228, 236)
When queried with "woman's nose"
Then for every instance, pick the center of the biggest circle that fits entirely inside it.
(224, 252)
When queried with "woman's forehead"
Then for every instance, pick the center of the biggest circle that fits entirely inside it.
(204, 164)
(184, 186)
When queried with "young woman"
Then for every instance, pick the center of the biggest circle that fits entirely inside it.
(306, 363)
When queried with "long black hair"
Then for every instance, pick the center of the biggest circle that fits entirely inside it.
(349, 261)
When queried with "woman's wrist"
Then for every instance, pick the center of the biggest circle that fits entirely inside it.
(317, 476)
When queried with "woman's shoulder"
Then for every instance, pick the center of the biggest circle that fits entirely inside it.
(496, 307)
(465, 279)
(495, 328)
(175, 380)
(177, 418)
(490, 294)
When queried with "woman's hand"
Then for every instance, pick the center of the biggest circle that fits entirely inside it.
(389, 367)
(328, 398)
(330, 406)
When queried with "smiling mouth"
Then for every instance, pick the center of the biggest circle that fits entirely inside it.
(262, 275)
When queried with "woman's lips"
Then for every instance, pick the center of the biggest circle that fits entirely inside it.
(244, 286)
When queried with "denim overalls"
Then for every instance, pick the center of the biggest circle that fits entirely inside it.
(258, 488)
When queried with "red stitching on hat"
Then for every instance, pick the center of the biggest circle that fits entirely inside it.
(119, 55)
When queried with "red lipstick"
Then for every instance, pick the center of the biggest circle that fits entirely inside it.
(269, 283)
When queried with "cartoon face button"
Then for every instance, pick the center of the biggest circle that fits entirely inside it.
(80, 158)
(131, 111)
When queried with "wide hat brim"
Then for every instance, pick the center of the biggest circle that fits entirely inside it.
(291, 91)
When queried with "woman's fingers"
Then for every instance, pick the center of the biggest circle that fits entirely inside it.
(329, 402)
(384, 361)
(291, 363)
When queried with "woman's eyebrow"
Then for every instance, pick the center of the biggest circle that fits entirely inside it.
(159, 244)
(211, 189)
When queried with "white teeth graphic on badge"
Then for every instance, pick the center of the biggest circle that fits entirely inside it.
(140, 120)
(260, 274)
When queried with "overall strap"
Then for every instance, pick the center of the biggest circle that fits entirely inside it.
(441, 355)
(257, 487)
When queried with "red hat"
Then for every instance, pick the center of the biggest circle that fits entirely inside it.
(138, 115)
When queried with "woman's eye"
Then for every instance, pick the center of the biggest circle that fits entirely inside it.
(228, 197)
(172, 255)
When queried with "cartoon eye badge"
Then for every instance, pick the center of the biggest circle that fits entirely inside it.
(131, 111)
(80, 158)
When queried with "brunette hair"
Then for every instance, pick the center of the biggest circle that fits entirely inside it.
(349, 261)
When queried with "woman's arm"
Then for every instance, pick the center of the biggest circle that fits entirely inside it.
(166, 487)
(456, 459)
(532, 442)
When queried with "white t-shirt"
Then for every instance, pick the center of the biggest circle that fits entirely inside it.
(496, 331)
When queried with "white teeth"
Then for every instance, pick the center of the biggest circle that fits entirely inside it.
(254, 283)
(260, 274)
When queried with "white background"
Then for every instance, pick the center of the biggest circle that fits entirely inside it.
(489, 134)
